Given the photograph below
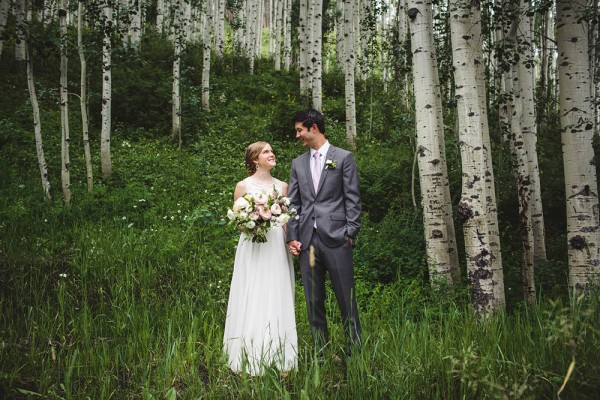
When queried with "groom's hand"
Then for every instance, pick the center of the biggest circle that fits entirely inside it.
(294, 247)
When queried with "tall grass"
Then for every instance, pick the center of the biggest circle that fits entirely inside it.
(136, 318)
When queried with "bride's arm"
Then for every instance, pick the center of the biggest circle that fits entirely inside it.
(240, 189)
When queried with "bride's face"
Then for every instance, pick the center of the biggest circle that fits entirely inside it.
(266, 159)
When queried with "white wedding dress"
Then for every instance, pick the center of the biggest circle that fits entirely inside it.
(260, 326)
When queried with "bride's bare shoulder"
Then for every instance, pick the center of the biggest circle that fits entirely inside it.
(240, 189)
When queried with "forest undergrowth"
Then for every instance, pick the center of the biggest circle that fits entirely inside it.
(123, 295)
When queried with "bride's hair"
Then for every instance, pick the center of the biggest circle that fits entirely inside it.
(252, 153)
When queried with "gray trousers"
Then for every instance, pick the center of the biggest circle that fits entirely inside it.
(337, 261)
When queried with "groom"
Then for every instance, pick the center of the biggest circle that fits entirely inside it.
(324, 190)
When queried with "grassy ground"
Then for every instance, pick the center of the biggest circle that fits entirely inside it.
(124, 294)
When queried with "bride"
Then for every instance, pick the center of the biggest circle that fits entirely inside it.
(260, 326)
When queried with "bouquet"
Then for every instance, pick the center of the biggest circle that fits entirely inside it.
(256, 213)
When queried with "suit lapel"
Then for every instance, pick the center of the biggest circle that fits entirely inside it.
(330, 156)
(308, 173)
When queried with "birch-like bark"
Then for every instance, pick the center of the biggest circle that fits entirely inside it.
(576, 118)
(37, 127)
(105, 133)
(483, 270)
(219, 27)
(277, 30)
(252, 26)
(21, 25)
(206, 42)
(442, 257)
(65, 173)
(178, 43)
(83, 98)
(287, 38)
(4, 10)
(135, 27)
(160, 15)
(529, 127)
(316, 58)
(491, 208)
(303, 49)
(349, 67)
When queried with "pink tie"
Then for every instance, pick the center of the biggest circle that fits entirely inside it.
(316, 169)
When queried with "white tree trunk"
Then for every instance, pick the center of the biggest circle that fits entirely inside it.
(483, 270)
(316, 58)
(576, 118)
(287, 39)
(21, 22)
(277, 33)
(105, 159)
(4, 10)
(160, 15)
(251, 26)
(303, 48)
(178, 44)
(206, 41)
(491, 208)
(83, 99)
(65, 172)
(37, 128)
(135, 28)
(349, 67)
(219, 27)
(437, 209)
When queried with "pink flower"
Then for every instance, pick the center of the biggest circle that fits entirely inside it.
(265, 212)
(255, 215)
(261, 198)
(276, 209)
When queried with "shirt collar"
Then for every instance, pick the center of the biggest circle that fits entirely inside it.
(323, 150)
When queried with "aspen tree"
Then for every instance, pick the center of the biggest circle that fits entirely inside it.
(83, 98)
(441, 251)
(219, 27)
(577, 122)
(4, 10)
(349, 67)
(178, 30)
(21, 22)
(65, 173)
(316, 58)
(483, 270)
(277, 30)
(37, 127)
(206, 45)
(107, 27)
(136, 8)
(303, 49)
(287, 37)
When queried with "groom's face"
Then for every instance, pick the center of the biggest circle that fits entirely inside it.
(307, 136)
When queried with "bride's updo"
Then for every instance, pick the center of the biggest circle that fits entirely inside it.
(252, 153)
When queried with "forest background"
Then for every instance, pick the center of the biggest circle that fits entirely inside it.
(121, 291)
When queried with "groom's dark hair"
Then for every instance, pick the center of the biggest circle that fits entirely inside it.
(309, 117)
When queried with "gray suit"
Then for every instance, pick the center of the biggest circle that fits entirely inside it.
(335, 208)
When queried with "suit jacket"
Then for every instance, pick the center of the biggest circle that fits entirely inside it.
(335, 206)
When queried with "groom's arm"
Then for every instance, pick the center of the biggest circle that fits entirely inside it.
(351, 196)
(294, 195)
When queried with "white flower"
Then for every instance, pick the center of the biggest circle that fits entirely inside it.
(230, 215)
(250, 224)
(240, 204)
(243, 215)
(286, 201)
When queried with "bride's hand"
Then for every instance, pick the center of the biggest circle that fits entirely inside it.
(294, 247)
